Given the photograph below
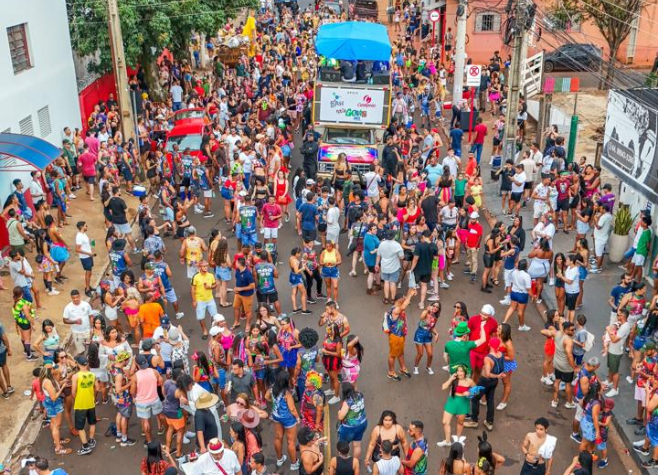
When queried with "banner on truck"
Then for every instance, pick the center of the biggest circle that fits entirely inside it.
(355, 153)
(629, 144)
(352, 106)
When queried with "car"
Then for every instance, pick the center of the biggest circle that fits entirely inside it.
(187, 131)
(573, 57)
(336, 6)
(364, 9)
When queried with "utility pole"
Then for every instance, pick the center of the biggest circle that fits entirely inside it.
(120, 72)
(524, 13)
(460, 52)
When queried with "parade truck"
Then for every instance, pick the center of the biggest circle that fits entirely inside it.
(351, 117)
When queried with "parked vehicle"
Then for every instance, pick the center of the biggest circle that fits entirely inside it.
(187, 131)
(364, 9)
(573, 57)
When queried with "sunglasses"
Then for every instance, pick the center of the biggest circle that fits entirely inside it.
(458, 306)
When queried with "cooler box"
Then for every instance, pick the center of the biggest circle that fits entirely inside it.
(139, 191)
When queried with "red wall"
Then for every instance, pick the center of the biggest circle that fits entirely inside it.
(97, 91)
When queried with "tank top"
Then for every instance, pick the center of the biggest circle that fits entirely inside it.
(193, 251)
(161, 271)
(560, 360)
(147, 386)
(85, 397)
(498, 365)
(319, 470)
(308, 410)
(330, 258)
(19, 315)
(265, 275)
(308, 357)
(15, 237)
(280, 407)
(118, 262)
(356, 412)
(344, 466)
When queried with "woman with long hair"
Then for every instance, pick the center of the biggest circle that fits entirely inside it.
(485, 451)
(549, 331)
(204, 371)
(458, 404)
(48, 342)
(582, 260)
(24, 316)
(53, 403)
(239, 446)
(282, 193)
(387, 429)
(510, 364)
(285, 417)
(426, 335)
(157, 460)
(222, 261)
(332, 350)
(559, 267)
(352, 417)
(583, 464)
(592, 405)
(351, 362)
(296, 280)
(46, 264)
(98, 366)
(455, 463)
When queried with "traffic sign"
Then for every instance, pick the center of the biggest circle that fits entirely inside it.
(473, 73)
(434, 16)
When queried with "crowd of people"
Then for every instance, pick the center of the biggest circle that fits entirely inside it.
(411, 224)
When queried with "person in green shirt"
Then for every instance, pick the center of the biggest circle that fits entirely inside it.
(460, 189)
(642, 247)
(458, 351)
(68, 151)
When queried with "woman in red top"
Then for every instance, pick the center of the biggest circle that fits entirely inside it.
(281, 191)
(411, 213)
(157, 460)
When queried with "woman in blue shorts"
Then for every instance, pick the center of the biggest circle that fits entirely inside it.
(353, 420)
(330, 260)
(53, 403)
(296, 280)
(426, 335)
(521, 284)
(510, 364)
(285, 417)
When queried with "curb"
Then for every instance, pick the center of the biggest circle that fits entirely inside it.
(19, 445)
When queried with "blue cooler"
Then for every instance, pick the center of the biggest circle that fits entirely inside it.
(139, 191)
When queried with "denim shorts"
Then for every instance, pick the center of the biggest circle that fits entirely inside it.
(145, 411)
(352, 433)
(223, 273)
(53, 407)
(202, 307)
(422, 336)
(288, 421)
(519, 297)
(170, 295)
(392, 277)
(330, 273)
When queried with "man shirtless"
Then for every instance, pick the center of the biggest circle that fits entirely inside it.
(538, 449)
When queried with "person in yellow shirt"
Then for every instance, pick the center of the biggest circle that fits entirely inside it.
(83, 390)
(203, 284)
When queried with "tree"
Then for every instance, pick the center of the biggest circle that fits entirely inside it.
(148, 26)
(613, 18)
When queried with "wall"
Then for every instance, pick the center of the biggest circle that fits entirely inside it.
(51, 80)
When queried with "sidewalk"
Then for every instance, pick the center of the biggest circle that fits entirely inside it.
(595, 307)
(15, 413)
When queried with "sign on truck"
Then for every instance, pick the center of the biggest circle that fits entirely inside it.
(352, 105)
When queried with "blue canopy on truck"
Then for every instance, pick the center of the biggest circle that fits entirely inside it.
(354, 40)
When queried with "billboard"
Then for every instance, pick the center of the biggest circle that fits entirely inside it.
(346, 105)
(629, 143)
(355, 153)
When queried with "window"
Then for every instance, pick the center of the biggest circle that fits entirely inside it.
(26, 125)
(487, 22)
(7, 131)
(18, 47)
(44, 121)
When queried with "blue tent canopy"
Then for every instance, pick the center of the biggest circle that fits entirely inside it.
(354, 40)
(18, 150)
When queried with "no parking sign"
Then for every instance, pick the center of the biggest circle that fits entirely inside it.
(473, 74)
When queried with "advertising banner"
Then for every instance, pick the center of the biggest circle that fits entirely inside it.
(354, 153)
(629, 144)
(353, 106)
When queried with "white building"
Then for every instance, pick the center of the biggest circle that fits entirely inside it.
(38, 90)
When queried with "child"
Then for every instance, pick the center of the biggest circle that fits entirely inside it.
(257, 363)
(38, 394)
(579, 340)
(451, 255)
(610, 330)
(605, 418)
(460, 189)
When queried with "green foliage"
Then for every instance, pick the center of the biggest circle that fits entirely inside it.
(147, 26)
(623, 221)
(651, 80)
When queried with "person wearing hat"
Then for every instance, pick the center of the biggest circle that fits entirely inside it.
(205, 424)
(457, 351)
(216, 459)
(120, 261)
(121, 396)
(84, 406)
(473, 243)
(477, 329)
(493, 370)
(144, 389)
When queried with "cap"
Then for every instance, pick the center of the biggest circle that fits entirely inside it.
(609, 403)
(165, 320)
(214, 331)
(119, 245)
(142, 362)
(310, 181)
(218, 317)
(174, 336)
(488, 310)
(494, 342)
(474, 215)
(593, 361)
(149, 266)
(147, 344)
(82, 360)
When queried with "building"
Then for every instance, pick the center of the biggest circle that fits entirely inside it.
(39, 94)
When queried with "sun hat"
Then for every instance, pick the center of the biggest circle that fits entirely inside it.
(248, 418)
(461, 329)
(215, 446)
(174, 336)
(122, 356)
(206, 400)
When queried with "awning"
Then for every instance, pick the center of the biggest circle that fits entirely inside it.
(26, 153)
(354, 40)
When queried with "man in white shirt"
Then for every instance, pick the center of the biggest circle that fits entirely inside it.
(372, 184)
(86, 254)
(453, 162)
(36, 190)
(616, 351)
(176, 96)
(389, 260)
(333, 221)
(78, 314)
(530, 168)
(22, 274)
(217, 460)
(544, 229)
(231, 139)
(540, 195)
(602, 228)
(521, 284)
(518, 185)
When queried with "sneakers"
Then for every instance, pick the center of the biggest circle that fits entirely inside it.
(85, 450)
(92, 443)
(505, 301)
(524, 328)
(501, 406)
(421, 306)
(208, 215)
(650, 463)
(554, 403)
(430, 371)
(433, 298)
(190, 434)
(577, 438)
(444, 443)
(638, 443)
(597, 270)
(353, 273)
(629, 380)
(128, 442)
(394, 377)
(334, 400)
(306, 312)
(488, 426)
(329, 392)
(443, 285)
(633, 421)
(53, 292)
(641, 450)
(294, 466)
(471, 424)
(551, 281)
(416, 370)
(612, 393)
(281, 461)
(570, 405)
(311, 301)
(180, 315)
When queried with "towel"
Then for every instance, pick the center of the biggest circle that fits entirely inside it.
(547, 448)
